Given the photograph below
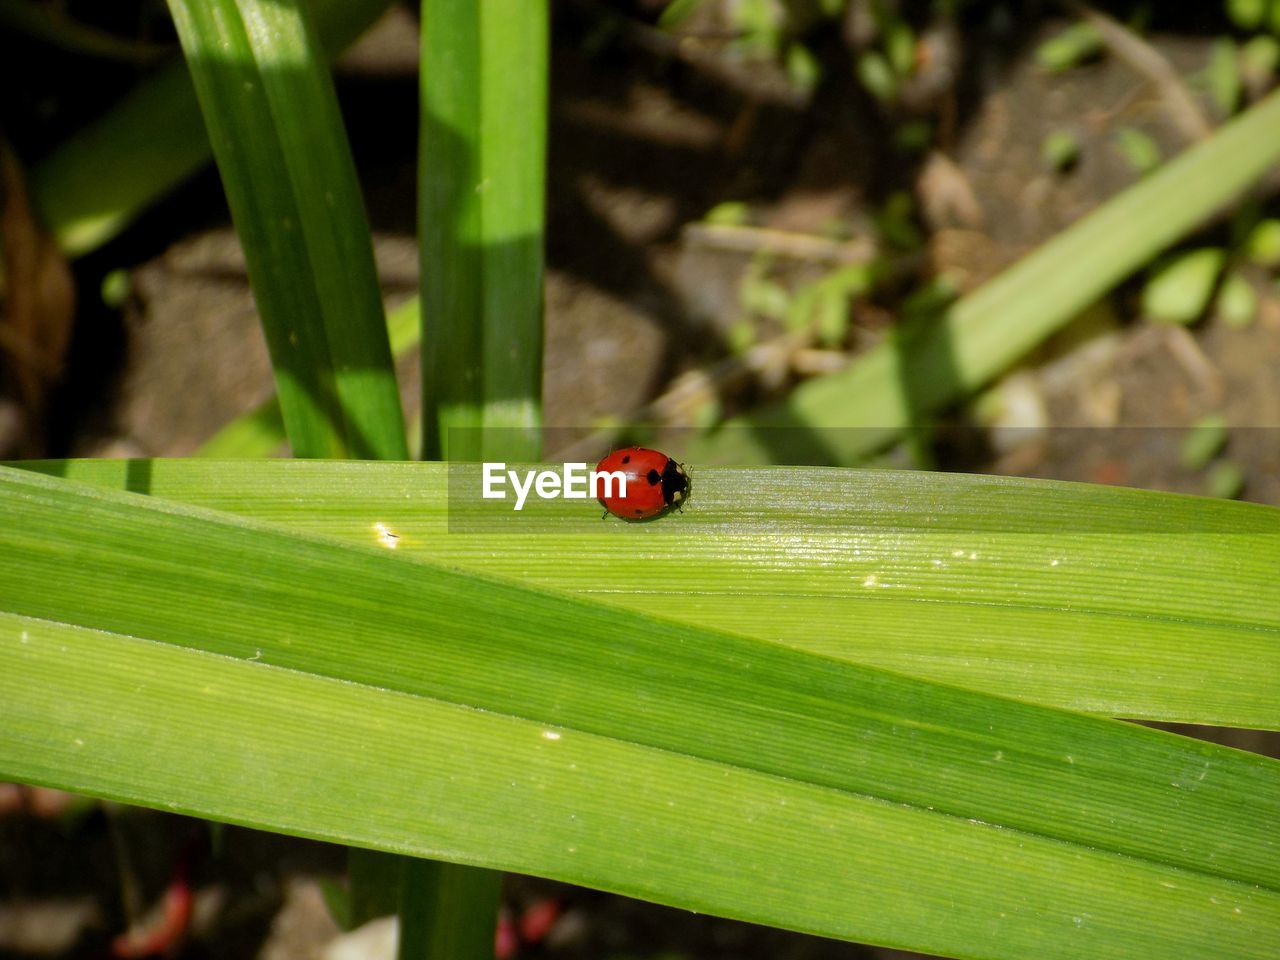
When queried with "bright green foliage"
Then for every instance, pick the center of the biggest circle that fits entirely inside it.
(481, 198)
(1139, 150)
(1180, 288)
(273, 121)
(1204, 441)
(1069, 594)
(1222, 75)
(173, 656)
(1226, 479)
(1237, 302)
(1263, 244)
(1069, 47)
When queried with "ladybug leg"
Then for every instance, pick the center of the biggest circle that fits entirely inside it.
(605, 515)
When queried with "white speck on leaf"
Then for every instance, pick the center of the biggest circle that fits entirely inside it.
(385, 536)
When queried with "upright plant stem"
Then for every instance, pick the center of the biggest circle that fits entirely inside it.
(481, 198)
(274, 124)
(481, 195)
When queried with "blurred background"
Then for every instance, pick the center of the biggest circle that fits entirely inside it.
(743, 195)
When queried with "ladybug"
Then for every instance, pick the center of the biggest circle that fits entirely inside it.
(655, 483)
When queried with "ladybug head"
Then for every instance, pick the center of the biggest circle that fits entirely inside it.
(675, 484)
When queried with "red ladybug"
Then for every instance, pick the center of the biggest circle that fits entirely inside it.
(655, 483)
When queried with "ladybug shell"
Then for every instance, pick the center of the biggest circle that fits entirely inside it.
(655, 482)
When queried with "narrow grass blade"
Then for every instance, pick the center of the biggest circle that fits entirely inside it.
(274, 124)
(481, 195)
(921, 369)
(100, 180)
(167, 655)
(482, 169)
(448, 910)
(1112, 601)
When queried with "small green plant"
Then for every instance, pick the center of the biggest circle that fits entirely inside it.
(1069, 47)
(1060, 150)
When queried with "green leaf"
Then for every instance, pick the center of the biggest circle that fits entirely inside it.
(273, 121)
(1226, 479)
(875, 73)
(1069, 47)
(182, 658)
(1139, 150)
(1204, 441)
(482, 169)
(732, 213)
(448, 911)
(258, 433)
(100, 180)
(1263, 244)
(804, 70)
(676, 12)
(1237, 302)
(481, 197)
(758, 294)
(1019, 588)
(1060, 150)
(1247, 14)
(1179, 290)
(928, 365)
(900, 46)
(1222, 75)
(1259, 58)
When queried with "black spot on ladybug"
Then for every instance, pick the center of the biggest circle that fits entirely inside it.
(639, 512)
(627, 458)
(653, 477)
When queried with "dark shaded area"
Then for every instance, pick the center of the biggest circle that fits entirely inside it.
(123, 858)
